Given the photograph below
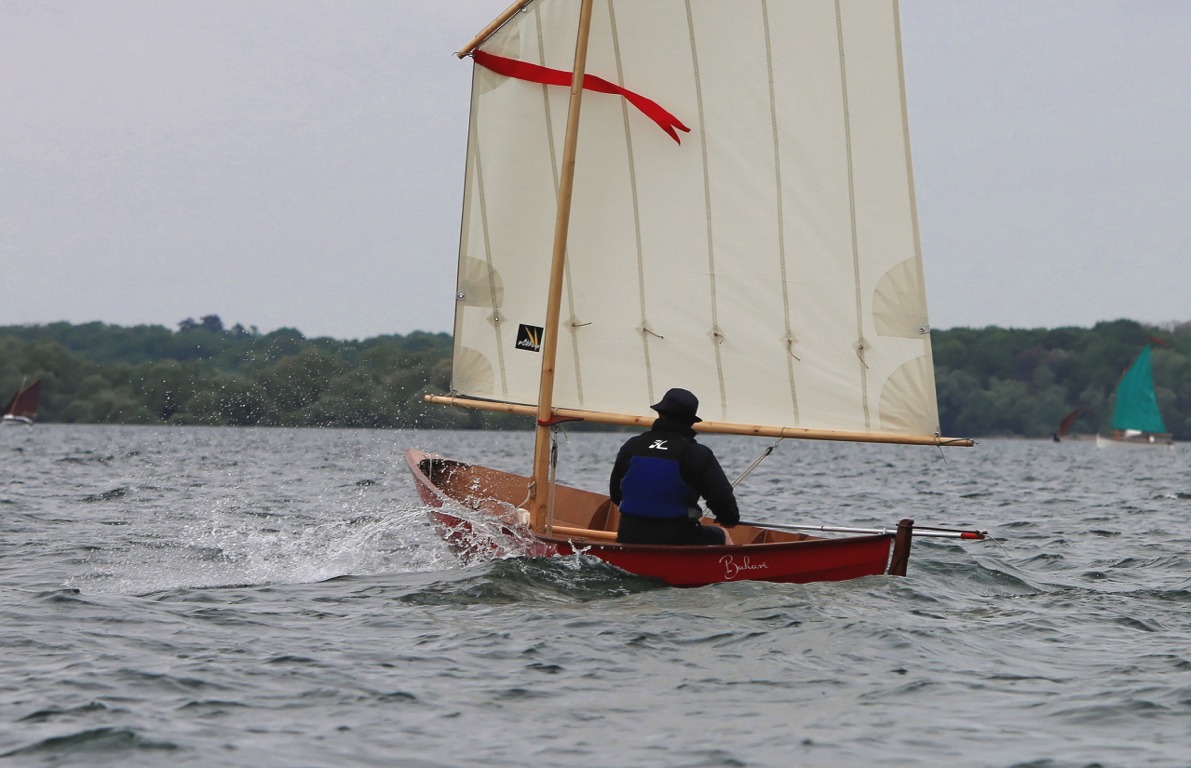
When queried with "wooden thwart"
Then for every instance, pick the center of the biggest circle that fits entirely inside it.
(582, 533)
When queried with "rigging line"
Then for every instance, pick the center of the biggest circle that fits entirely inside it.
(552, 477)
(748, 470)
(939, 448)
(556, 430)
(996, 541)
(940, 443)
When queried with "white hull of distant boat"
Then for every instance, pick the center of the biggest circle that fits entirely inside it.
(1135, 441)
(10, 419)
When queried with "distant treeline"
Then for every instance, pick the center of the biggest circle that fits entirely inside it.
(991, 381)
(203, 373)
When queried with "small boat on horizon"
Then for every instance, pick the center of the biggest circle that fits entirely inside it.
(22, 408)
(1136, 419)
(1065, 425)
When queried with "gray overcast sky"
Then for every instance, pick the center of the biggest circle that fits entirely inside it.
(300, 163)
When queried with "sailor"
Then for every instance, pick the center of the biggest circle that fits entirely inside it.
(660, 475)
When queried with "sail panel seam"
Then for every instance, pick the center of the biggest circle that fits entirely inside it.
(573, 324)
(717, 335)
(636, 204)
(861, 345)
(788, 339)
(496, 317)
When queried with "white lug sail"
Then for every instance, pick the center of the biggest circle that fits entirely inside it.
(769, 262)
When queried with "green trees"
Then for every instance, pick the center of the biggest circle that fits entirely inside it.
(204, 374)
(996, 381)
(990, 381)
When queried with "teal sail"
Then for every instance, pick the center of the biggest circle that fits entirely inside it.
(1137, 406)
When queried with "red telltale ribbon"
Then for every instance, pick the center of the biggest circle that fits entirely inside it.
(535, 73)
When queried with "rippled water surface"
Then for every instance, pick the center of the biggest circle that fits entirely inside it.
(256, 597)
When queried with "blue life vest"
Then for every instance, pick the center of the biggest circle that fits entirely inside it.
(653, 485)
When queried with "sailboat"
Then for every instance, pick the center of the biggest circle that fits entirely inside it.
(1065, 425)
(1136, 419)
(22, 408)
(698, 194)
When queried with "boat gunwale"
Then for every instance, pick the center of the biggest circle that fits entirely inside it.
(413, 457)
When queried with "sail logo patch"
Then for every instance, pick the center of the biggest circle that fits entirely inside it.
(529, 337)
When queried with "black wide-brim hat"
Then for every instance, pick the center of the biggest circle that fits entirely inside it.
(680, 404)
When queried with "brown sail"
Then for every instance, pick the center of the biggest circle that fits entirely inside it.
(22, 408)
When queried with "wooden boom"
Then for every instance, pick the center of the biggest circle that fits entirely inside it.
(712, 427)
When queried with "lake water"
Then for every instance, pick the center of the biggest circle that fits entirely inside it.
(267, 597)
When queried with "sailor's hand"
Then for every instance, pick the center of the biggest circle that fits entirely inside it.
(728, 521)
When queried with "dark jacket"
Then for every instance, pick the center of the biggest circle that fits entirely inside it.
(656, 491)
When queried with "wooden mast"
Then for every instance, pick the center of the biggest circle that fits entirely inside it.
(538, 493)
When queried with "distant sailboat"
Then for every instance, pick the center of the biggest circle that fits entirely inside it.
(1136, 420)
(22, 408)
(1066, 424)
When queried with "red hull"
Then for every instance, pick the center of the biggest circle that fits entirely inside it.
(474, 510)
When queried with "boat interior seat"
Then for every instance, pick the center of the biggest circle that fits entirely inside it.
(763, 536)
(606, 517)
